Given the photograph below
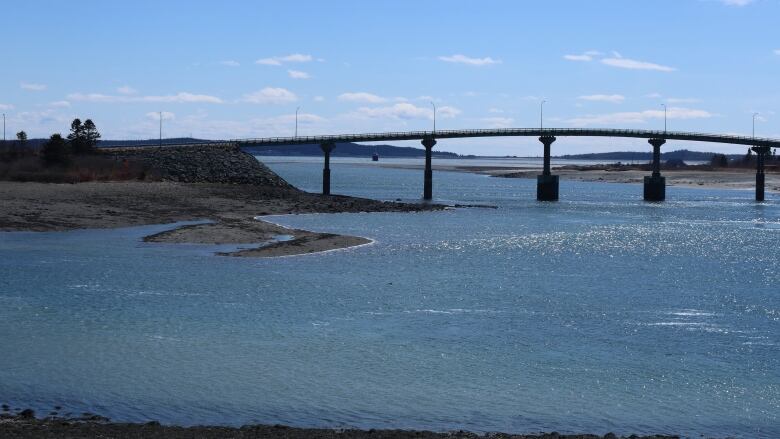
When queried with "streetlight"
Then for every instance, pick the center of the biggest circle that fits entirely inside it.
(296, 121)
(754, 125)
(434, 117)
(664, 105)
(160, 129)
(3, 128)
(541, 115)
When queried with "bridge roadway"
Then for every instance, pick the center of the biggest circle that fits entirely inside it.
(547, 184)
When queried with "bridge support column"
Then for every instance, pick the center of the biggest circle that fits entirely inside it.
(761, 153)
(547, 184)
(428, 143)
(326, 147)
(655, 185)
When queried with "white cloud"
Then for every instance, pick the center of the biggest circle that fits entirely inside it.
(495, 110)
(462, 59)
(615, 99)
(498, 122)
(182, 97)
(126, 90)
(59, 104)
(279, 60)
(639, 117)
(270, 95)
(155, 115)
(406, 110)
(586, 56)
(653, 95)
(319, 98)
(230, 63)
(32, 87)
(777, 51)
(682, 100)
(297, 74)
(625, 63)
(6, 107)
(364, 97)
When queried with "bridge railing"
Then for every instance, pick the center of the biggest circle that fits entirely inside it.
(503, 132)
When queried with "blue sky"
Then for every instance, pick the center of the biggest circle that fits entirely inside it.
(235, 69)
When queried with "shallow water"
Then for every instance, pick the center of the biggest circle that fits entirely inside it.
(598, 313)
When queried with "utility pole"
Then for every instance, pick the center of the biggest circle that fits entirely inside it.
(161, 129)
(3, 128)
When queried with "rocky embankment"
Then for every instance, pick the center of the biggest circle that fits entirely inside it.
(202, 164)
(25, 425)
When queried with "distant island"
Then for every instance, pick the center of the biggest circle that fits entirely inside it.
(680, 154)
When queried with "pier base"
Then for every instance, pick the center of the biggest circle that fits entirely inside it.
(655, 188)
(547, 188)
(760, 187)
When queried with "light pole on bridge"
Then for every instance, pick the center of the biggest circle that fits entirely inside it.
(754, 125)
(434, 118)
(541, 114)
(296, 121)
(664, 105)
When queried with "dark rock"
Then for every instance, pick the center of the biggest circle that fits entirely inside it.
(610, 436)
(27, 414)
(203, 164)
(5, 407)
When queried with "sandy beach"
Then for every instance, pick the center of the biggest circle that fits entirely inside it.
(736, 178)
(230, 208)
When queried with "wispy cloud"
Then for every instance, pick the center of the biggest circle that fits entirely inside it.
(736, 2)
(405, 110)
(182, 97)
(319, 98)
(463, 59)
(586, 56)
(59, 104)
(126, 90)
(639, 117)
(361, 96)
(230, 63)
(6, 107)
(615, 99)
(270, 95)
(682, 100)
(279, 60)
(632, 64)
(297, 74)
(777, 52)
(32, 86)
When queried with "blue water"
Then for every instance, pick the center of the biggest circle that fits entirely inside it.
(597, 313)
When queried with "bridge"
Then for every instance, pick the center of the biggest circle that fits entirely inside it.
(547, 184)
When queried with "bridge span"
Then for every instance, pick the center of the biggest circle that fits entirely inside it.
(547, 184)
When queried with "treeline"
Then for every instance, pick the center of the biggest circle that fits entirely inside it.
(82, 140)
(747, 160)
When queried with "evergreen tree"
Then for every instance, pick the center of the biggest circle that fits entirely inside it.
(21, 136)
(91, 136)
(56, 151)
(78, 143)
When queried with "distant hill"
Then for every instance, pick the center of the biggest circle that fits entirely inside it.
(345, 150)
(681, 154)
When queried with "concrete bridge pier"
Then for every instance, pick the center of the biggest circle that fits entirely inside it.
(761, 153)
(655, 185)
(428, 143)
(326, 147)
(547, 184)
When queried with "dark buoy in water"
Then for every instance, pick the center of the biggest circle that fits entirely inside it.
(375, 157)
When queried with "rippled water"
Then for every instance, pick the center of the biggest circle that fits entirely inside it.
(598, 313)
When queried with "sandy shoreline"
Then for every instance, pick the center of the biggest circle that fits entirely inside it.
(231, 208)
(737, 178)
